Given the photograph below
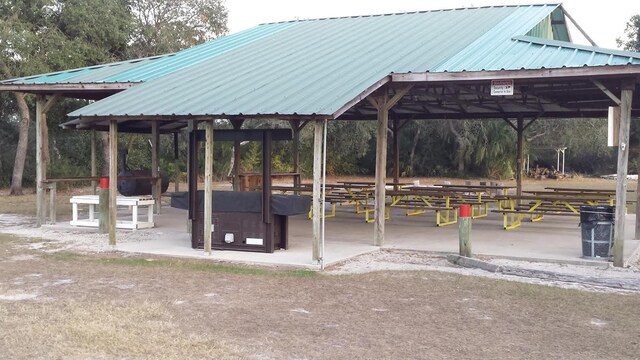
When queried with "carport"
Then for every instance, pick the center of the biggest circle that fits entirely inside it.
(515, 63)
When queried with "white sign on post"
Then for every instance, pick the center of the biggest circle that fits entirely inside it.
(501, 87)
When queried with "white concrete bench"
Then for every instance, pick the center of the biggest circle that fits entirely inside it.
(132, 202)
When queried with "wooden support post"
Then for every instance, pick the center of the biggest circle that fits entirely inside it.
(464, 221)
(113, 180)
(155, 166)
(103, 207)
(396, 152)
(40, 161)
(52, 202)
(208, 188)
(237, 157)
(295, 126)
(43, 105)
(176, 167)
(94, 168)
(383, 104)
(520, 159)
(317, 191)
(192, 184)
(623, 162)
(637, 233)
(267, 216)
(381, 171)
(190, 127)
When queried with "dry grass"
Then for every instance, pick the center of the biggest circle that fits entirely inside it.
(103, 330)
(107, 306)
(111, 307)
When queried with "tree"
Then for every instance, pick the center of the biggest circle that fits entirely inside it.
(47, 35)
(631, 39)
(168, 26)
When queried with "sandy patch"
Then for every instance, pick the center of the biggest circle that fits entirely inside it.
(18, 297)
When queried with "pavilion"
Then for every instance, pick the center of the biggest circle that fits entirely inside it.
(515, 63)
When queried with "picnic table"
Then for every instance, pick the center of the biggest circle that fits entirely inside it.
(357, 194)
(444, 201)
(583, 190)
(489, 189)
(419, 201)
(537, 204)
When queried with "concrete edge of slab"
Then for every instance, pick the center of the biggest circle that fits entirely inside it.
(203, 257)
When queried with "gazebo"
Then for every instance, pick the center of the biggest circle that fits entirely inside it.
(515, 63)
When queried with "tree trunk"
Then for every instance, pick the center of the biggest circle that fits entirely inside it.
(637, 233)
(21, 150)
(462, 150)
(411, 171)
(104, 136)
(463, 143)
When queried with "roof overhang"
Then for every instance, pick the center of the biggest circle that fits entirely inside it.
(124, 126)
(618, 71)
(88, 91)
(583, 92)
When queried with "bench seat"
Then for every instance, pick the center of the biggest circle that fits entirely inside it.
(131, 202)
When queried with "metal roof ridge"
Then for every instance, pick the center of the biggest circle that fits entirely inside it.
(410, 12)
(564, 44)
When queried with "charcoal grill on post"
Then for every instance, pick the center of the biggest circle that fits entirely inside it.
(245, 221)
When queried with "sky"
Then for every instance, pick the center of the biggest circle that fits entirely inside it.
(603, 21)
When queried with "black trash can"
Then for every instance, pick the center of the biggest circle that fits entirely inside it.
(597, 224)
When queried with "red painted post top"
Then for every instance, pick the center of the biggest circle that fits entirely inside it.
(465, 211)
(104, 183)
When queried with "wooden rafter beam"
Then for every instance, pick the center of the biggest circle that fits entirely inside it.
(607, 92)
(497, 100)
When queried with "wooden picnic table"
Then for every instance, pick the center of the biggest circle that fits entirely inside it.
(489, 187)
(373, 183)
(443, 201)
(569, 193)
(345, 194)
(584, 190)
(478, 188)
(536, 206)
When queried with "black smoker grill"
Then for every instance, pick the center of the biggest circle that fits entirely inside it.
(246, 221)
(237, 220)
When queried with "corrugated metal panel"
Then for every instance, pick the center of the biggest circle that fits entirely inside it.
(525, 52)
(146, 69)
(89, 74)
(484, 48)
(316, 66)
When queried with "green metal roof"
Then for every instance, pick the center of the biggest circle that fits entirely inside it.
(315, 67)
(89, 74)
(141, 70)
(526, 52)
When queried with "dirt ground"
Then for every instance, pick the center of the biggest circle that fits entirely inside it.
(70, 305)
(111, 306)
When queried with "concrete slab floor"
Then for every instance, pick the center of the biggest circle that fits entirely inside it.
(556, 238)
